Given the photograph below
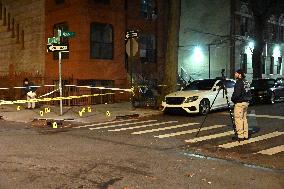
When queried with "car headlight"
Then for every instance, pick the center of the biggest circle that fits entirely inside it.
(191, 99)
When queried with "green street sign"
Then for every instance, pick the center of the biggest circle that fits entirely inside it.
(53, 40)
(68, 34)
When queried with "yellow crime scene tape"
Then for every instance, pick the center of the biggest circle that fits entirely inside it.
(6, 102)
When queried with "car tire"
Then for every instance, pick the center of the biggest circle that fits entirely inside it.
(204, 107)
(272, 98)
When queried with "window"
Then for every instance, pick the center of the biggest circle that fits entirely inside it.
(279, 65)
(63, 41)
(271, 64)
(147, 48)
(148, 9)
(263, 65)
(102, 1)
(246, 24)
(101, 41)
(229, 84)
(59, 2)
(244, 62)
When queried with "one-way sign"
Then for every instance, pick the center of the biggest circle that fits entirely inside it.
(52, 48)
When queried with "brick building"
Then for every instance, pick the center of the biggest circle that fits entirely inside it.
(96, 53)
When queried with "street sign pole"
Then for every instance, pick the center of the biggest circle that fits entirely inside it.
(60, 81)
(131, 71)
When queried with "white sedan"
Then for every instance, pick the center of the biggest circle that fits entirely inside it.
(198, 96)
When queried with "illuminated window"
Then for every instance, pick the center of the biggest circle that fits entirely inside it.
(147, 48)
(59, 2)
(101, 41)
(63, 41)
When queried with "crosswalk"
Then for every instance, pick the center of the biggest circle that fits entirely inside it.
(172, 128)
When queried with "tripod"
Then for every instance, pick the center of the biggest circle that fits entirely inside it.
(225, 93)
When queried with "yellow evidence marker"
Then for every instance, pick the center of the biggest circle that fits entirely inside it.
(46, 110)
(80, 113)
(108, 113)
(89, 109)
(54, 125)
(18, 108)
(83, 110)
(41, 113)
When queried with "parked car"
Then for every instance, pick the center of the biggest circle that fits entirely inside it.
(267, 90)
(198, 96)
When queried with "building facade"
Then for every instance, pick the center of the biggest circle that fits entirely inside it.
(22, 40)
(96, 54)
(218, 35)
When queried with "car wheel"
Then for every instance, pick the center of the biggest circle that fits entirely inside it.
(272, 98)
(204, 106)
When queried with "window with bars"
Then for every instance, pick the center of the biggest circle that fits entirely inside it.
(101, 41)
(63, 26)
(147, 46)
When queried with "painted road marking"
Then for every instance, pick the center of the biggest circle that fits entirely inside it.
(105, 123)
(272, 151)
(123, 124)
(251, 140)
(143, 126)
(260, 116)
(163, 129)
(189, 131)
(208, 137)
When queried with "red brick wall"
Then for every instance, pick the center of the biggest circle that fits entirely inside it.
(79, 14)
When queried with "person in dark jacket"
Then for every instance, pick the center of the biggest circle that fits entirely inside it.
(29, 90)
(240, 98)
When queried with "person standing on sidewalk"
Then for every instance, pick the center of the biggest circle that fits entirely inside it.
(29, 90)
(241, 97)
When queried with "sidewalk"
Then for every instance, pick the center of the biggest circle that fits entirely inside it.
(99, 113)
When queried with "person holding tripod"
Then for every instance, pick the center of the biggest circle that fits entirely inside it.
(241, 97)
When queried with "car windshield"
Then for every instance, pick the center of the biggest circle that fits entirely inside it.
(205, 84)
(263, 83)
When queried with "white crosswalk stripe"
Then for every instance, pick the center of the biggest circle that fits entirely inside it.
(208, 137)
(122, 124)
(105, 123)
(142, 126)
(272, 151)
(188, 131)
(163, 129)
(251, 140)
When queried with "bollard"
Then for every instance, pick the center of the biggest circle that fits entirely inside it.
(89, 109)
(18, 108)
(41, 113)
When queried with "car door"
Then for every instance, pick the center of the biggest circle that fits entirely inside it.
(220, 100)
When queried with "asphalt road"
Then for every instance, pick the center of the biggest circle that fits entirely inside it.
(150, 153)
